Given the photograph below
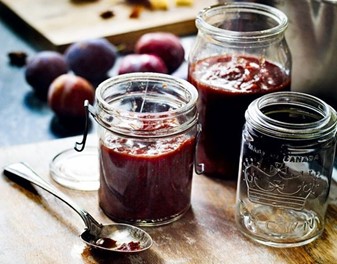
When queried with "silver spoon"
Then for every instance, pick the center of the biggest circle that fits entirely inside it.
(116, 237)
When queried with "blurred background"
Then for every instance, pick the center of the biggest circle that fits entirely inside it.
(312, 38)
(311, 35)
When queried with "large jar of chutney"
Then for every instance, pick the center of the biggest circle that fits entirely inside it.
(239, 54)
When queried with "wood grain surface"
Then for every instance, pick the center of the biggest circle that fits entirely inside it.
(60, 23)
(35, 227)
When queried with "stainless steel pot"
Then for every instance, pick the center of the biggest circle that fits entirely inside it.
(312, 38)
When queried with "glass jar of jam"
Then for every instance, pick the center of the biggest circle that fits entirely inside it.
(286, 164)
(147, 138)
(239, 54)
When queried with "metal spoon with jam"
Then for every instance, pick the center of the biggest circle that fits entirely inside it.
(117, 237)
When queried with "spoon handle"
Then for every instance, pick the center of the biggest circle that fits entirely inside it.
(23, 170)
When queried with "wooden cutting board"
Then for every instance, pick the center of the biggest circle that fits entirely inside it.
(59, 23)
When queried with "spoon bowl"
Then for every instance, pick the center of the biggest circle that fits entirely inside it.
(119, 237)
(116, 237)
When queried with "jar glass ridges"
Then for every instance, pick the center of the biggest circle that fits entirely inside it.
(239, 54)
(286, 162)
(148, 130)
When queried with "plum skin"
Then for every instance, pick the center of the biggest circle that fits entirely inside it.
(42, 69)
(67, 94)
(165, 45)
(142, 63)
(91, 59)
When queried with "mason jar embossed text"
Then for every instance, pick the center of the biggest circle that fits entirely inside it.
(286, 162)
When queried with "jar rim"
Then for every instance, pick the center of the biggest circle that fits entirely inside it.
(302, 130)
(179, 104)
(254, 8)
(148, 76)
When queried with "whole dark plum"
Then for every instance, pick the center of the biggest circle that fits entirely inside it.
(141, 63)
(42, 69)
(165, 45)
(67, 94)
(91, 59)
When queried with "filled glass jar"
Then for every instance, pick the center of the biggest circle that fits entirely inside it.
(147, 138)
(239, 54)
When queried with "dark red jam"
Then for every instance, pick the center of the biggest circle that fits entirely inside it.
(106, 242)
(111, 243)
(145, 180)
(131, 246)
(226, 87)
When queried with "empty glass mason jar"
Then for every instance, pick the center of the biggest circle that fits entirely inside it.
(239, 54)
(286, 163)
(147, 136)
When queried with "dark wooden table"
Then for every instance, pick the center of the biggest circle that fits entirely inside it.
(35, 227)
